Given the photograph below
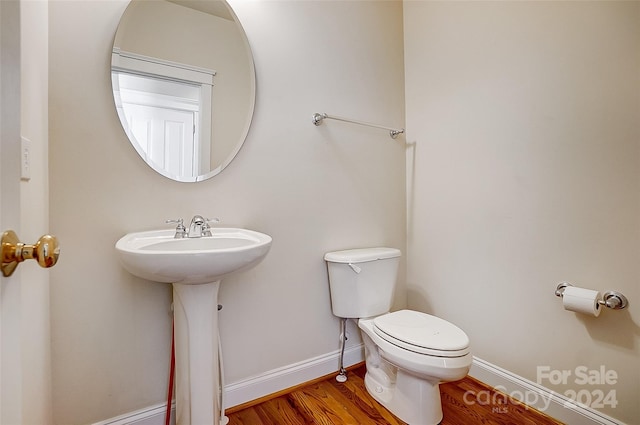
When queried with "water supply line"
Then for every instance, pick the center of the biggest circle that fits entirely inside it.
(223, 419)
(342, 376)
(172, 373)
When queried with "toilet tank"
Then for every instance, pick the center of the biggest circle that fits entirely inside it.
(362, 281)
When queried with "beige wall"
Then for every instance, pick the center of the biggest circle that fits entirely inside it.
(526, 172)
(313, 189)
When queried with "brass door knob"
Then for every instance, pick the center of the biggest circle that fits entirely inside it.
(45, 251)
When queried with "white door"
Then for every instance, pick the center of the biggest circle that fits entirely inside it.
(24, 296)
(10, 294)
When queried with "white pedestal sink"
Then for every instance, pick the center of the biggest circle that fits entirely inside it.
(195, 267)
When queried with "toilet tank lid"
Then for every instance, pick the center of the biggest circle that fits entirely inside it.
(361, 255)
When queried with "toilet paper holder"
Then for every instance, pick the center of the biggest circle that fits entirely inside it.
(611, 299)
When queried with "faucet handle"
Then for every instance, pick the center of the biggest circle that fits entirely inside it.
(181, 231)
(206, 229)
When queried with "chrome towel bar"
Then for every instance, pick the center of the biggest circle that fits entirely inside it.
(319, 117)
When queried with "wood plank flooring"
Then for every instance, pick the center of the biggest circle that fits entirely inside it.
(328, 402)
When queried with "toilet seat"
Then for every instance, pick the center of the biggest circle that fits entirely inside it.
(422, 333)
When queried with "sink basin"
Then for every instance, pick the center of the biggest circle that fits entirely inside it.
(155, 255)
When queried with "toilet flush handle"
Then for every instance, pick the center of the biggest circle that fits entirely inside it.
(355, 268)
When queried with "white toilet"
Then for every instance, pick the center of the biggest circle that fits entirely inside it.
(408, 353)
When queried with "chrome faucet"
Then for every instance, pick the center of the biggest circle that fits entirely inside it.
(198, 228)
(195, 228)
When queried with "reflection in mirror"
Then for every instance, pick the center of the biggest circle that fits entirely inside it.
(183, 84)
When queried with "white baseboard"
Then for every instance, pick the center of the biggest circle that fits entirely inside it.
(152, 415)
(254, 387)
(290, 376)
(533, 394)
(537, 396)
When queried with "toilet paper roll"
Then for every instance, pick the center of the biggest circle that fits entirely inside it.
(581, 300)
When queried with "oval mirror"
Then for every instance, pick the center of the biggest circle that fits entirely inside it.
(183, 85)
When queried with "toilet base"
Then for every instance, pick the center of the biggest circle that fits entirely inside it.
(413, 400)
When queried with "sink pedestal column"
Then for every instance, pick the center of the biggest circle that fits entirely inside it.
(195, 312)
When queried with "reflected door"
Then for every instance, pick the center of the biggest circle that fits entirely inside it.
(166, 122)
(167, 137)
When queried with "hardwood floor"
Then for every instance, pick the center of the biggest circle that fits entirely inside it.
(328, 402)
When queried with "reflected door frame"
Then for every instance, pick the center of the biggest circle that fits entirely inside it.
(150, 68)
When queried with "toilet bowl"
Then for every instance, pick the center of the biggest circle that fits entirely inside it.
(404, 373)
(407, 353)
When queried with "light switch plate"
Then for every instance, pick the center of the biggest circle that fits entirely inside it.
(25, 159)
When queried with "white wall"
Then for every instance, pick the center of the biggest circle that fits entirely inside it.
(313, 189)
(526, 172)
